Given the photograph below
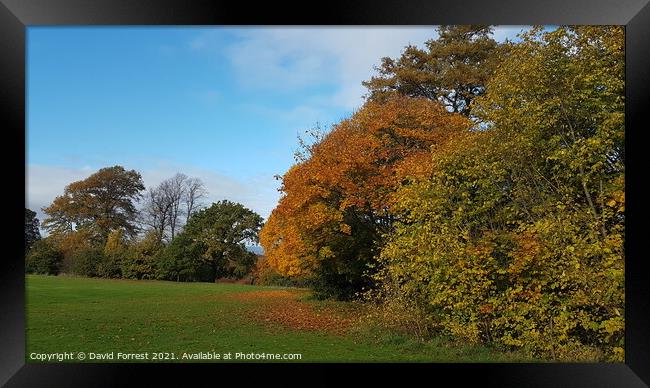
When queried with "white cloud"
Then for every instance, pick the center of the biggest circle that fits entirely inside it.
(44, 183)
(290, 58)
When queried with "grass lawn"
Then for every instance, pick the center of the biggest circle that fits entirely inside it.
(67, 314)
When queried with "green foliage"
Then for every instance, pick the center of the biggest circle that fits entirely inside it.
(181, 261)
(111, 265)
(43, 258)
(218, 236)
(516, 235)
(87, 261)
(212, 245)
(340, 279)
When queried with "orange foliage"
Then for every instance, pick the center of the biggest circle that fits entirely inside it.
(345, 187)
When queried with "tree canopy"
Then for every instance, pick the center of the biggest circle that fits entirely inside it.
(101, 203)
(220, 234)
(453, 69)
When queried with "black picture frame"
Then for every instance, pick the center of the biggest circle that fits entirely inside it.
(17, 15)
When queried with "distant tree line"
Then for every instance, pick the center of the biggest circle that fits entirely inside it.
(96, 229)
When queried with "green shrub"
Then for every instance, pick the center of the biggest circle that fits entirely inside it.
(87, 261)
(181, 261)
(43, 258)
(111, 266)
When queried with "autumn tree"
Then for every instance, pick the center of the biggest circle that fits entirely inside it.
(336, 203)
(32, 233)
(453, 68)
(218, 236)
(101, 203)
(71, 242)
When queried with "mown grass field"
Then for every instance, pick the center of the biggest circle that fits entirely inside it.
(67, 314)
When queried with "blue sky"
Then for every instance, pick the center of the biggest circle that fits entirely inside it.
(219, 103)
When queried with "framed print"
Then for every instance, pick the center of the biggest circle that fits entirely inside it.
(361, 194)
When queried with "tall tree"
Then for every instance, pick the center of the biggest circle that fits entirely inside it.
(453, 69)
(32, 233)
(101, 203)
